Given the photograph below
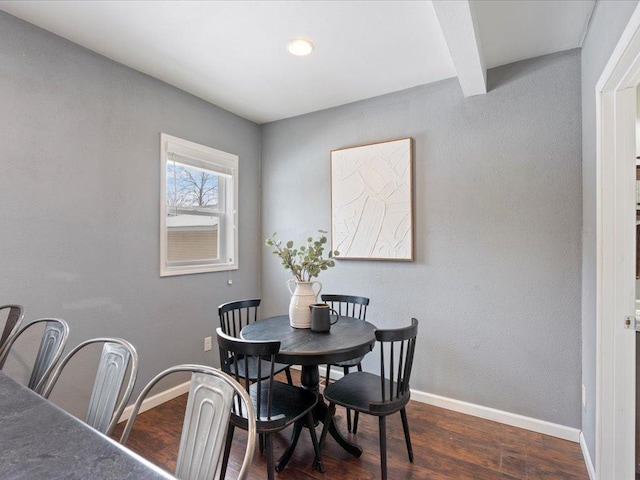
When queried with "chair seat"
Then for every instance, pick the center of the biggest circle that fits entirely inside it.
(350, 363)
(289, 404)
(362, 391)
(253, 368)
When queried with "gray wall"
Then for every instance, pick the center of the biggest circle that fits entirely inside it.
(79, 198)
(607, 23)
(496, 281)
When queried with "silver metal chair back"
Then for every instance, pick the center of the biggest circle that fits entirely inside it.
(118, 357)
(212, 395)
(15, 315)
(52, 344)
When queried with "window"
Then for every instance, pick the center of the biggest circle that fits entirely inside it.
(198, 208)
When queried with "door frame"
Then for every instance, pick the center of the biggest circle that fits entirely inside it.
(615, 242)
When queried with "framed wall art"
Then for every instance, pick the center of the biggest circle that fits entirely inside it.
(372, 201)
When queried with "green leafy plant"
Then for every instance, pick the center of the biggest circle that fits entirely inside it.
(304, 262)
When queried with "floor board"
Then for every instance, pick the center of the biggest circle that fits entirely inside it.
(446, 444)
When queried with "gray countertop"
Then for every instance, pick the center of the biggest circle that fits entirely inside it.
(40, 441)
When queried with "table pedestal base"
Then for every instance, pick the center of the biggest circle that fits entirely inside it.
(310, 379)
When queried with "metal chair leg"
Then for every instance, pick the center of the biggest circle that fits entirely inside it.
(288, 374)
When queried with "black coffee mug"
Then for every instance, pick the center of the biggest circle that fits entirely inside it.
(320, 321)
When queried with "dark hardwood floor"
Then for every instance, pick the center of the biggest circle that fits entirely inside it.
(446, 445)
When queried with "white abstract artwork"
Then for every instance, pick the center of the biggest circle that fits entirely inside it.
(371, 201)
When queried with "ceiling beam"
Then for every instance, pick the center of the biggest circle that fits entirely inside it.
(460, 28)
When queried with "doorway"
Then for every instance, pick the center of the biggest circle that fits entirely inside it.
(616, 255)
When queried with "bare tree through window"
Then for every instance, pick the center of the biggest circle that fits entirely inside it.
(189, 186)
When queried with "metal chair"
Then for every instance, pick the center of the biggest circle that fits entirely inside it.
(348, 306)
(233, 317)
(276, 405)
(15, 315)
(379, 395)
(212, 395)
(54, 339)
(117, 358)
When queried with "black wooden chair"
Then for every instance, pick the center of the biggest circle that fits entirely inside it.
(233, 317)
(348, 306)
(13, 319)
(379, 395)
(276, 405)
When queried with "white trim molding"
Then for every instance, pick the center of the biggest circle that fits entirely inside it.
(587, 458)
(155, 400)
(615, 263)
(488, 413)
(500, 416)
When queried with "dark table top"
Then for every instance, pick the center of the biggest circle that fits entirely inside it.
(347, 339)
(39, 440)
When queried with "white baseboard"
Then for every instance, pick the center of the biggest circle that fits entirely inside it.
(500, 416)
(587, 458)
(156, 400)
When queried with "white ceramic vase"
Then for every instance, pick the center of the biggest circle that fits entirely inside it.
(303, 296)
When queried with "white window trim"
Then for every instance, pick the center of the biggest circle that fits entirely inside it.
(226, 164)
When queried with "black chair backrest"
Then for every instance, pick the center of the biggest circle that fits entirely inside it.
(347, 305)
(236, 315)
(397, 347)
(232, 348)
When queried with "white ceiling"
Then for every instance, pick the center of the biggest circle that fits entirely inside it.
(232, 53)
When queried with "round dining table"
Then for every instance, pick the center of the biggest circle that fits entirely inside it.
(348, 338)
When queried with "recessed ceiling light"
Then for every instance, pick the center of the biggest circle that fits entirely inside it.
(300, 47)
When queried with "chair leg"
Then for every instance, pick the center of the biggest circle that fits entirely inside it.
(261, 442)
(356, 416)
(288, 374)
(326, 380)
(270, 467)
(405, 427)
(331, 410)
(346, 372)
(317, 461)
(295, 435)
(383, 446)
(227, 450)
